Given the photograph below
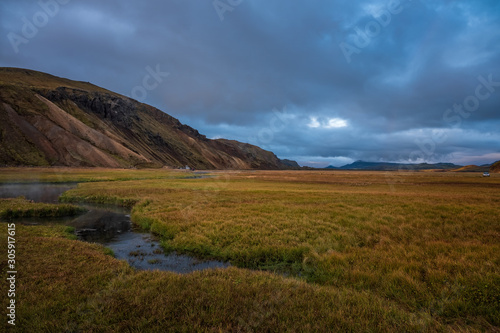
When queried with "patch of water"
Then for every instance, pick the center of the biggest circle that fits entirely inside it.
(38, 192)
(112, 227)
(143, 251)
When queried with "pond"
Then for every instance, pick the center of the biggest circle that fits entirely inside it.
(112, 227)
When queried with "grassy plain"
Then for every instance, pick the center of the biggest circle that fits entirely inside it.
(21, 207)
(78, 175)
(361, 251)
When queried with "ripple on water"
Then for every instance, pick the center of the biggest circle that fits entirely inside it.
(143, 251)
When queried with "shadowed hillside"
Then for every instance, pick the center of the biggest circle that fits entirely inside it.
(495, 167)
(47, 120)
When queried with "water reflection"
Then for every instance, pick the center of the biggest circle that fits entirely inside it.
(38, 192)
(143, 251)
(100, 225)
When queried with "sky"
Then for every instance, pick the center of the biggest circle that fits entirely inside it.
(322, 82)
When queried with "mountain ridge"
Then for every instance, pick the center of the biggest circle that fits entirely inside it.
(46, 120)
(388, 166)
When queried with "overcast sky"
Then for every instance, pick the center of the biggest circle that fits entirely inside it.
(320, 82)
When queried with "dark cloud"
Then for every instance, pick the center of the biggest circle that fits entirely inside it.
(410, 62)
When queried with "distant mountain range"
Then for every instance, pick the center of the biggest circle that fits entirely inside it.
(383, 166)
(50, 121)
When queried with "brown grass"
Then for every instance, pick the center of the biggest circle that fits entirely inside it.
(365, 251)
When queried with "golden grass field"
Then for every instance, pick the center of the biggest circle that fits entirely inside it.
(314, 251)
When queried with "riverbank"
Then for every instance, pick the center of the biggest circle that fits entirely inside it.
(23, 208)
(108, 225)
(91, 291)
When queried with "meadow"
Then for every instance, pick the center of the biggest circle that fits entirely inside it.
(21, 208)
(312, 250)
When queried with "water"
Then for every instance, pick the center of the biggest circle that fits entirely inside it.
(112, 227)
(143, 251)
(38, 192)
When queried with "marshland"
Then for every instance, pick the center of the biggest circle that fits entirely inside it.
(309, 251)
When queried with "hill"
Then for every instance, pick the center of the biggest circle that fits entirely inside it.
(495, 167)
(473, 168)
(50, 121)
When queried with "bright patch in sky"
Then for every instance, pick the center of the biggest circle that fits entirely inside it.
(336, 123)
(314, 123)
(327, 123)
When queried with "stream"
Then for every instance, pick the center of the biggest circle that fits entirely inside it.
(110, 226)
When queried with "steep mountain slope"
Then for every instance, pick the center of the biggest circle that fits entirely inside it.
(47, 120)
(495, 167)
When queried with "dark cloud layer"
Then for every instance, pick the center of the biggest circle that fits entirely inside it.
(323, 82)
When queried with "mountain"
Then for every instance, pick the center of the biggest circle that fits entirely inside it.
(473, 168)
(46, 120)
(495, 167)
(383, 166)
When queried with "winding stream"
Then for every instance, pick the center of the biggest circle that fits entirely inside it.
(110, 226)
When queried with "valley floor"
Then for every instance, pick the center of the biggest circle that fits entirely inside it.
(318, 251)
